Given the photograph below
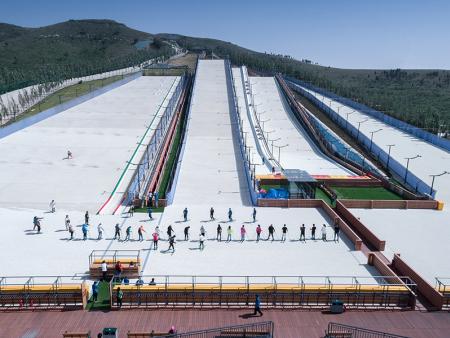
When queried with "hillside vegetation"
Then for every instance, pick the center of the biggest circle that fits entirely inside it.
(83, 47)
(419, 97)
(69, 49)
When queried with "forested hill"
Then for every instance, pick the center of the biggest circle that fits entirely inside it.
(70, 49)
(82, 47)
(419, 97)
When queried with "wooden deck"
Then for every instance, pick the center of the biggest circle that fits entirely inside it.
(295, 324)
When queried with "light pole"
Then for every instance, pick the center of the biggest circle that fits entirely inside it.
(359, 126)
(267, 134)
(434, 176)
(279, 151)
(262, 122)
(407, 164)
(389, 154)
(371, 137)
(277, 139)
(346, 119)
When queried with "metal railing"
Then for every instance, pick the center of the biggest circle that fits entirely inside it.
(336, 330)
(443, 286)
(249, 172)
(115, 255)
(139, 180)
(254, 330)
(275, 291)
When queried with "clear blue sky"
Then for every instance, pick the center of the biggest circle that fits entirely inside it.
(341, 33)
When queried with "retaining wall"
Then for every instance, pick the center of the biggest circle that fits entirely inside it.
(427, 290)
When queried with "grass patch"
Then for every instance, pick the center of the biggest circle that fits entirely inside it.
(321, 195)
(171, 158)
(365, 193)
(144, 209)
(66, 94)
(103, 300)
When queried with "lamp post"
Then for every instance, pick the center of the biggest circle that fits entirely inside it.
(434, 176)
(359, 126)
(407, 164)
(389, 154)
(267, 134)
(371, 137)
(346, 119)
(262, 122)
(279, 151)
(272, 141)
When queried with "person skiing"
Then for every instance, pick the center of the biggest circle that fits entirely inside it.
(67, 222)
(157, 230)
(69, 155)
(302, 232)
(229, 233)
(211, 214)
(219, 233)
(100, 231)
(128, 233)
(185, 214)
(169, 230)
(230, 215)
(149, 211)
(313, 232)
(186, 233)
(71, 231)
(117, 232)
(86, 217)
(155, 240)
(202, 230)
(284, 230)
(254, 215)
(141, 231)
(52, 206)
(324, 233)
(243, 232)
(271, 232)
(258, 232)
(84, 229)
(172, 243)
(202, 241)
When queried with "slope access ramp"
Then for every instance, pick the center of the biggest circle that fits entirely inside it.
(289, 143)
(211, 169)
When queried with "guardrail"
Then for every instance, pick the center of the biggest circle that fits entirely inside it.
(249, 172)
(443, 286)
(136, 188)
(186, 291)
(336, 330)
(253, 330)
(42, 292)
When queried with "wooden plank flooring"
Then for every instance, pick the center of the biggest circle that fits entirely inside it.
(288, 324)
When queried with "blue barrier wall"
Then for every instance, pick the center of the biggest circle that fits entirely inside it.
(381, 154)
(29, 121)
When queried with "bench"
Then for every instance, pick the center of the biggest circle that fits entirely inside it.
(245, 333)
(338, 335)
(147, 334)
(129, 270)
(68, 334)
